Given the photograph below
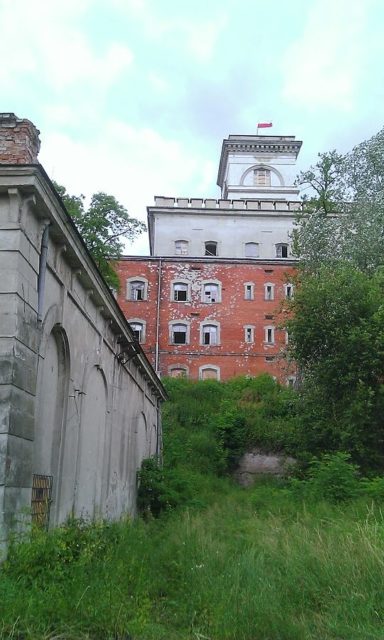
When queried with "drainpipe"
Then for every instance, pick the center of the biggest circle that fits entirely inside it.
(157, 351)
(42, 272)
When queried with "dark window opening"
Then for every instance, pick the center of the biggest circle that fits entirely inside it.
(211, 248)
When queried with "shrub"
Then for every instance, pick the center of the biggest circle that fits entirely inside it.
(333, 477)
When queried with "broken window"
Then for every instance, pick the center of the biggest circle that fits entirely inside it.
(138, 330)
(249, 334)
(211, 248)
(180, 292)
(282, 250)
(251, 250)
(137, 290)
(289, 291)
(181, 247)
(269, 291)
(179, 334)
(248, 291)
(211, 292)
(210, 334)
(269, 335)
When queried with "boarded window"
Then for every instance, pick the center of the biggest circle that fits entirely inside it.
(211, 292)
(262, 177)
(41, 499)
(251, 250)
(209, 373)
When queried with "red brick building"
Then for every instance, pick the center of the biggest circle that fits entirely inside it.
(206, 303)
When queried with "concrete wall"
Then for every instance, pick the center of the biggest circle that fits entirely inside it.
(69, 406)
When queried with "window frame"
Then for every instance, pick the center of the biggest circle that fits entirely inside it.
(209, 323)
(211, 367)
(178, 367)
(272, 329)
(211, 255)
(290, 286)
(173, 290)
(249, 286)
(185, 245)
(180, 322)
(271, 297)
(132, 280)
(279, 246)
(143, 324)
(249, 328)
(207, 283)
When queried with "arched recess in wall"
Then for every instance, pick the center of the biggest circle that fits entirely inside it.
(51, 406)
(90, 476)
(142, 449)
(250, 171)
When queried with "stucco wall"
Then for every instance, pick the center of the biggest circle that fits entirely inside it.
(69, 407)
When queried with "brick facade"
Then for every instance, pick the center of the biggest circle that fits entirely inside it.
(240, 318)
(19, 140)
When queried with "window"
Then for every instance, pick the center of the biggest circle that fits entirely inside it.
(269, 336)
(181, 247)
(178, 372)
(251, 250)
(211, 292)
(210, 334)
(249, 288)
(180, 292)
(209, 372)
(291, 382)
(262, 177)
(249, 333)
(179, 333)
(269, 291)
(137, 289)
(138, 329)
(282, 250)
(288, 289)
(211, 248)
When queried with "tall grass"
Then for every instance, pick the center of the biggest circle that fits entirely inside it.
(255, 564)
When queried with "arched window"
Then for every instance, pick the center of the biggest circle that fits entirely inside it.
(282, 250)
(209, 372)
(210, 334)
(181, 247)
(137, 289)
(211, 292)
(138, 329)
(179, 333)
(180, 292)
(262, 177)
(251, 249)
(211, 248)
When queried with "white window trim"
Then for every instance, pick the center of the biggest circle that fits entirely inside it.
(252, 285)
(211, 323)
(144, 330)
(289, 284)
(178, 367)
(188, 284)
(181, 253)
(289, 380)
(257, 244)
(129, 281)
(266, 329)
(252, 328)
(266, 285)
(203, 285)
(209, 366)
(187, 337)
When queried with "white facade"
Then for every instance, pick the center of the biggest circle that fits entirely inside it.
(259, 203)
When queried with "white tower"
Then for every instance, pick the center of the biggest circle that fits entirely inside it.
(258, 167)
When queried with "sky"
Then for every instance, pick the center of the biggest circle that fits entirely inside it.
(134, 97)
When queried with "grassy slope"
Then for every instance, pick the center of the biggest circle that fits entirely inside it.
(255, 564)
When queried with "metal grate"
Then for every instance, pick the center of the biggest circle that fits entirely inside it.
(41, 499)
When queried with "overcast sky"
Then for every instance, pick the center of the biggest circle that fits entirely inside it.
(134, 97)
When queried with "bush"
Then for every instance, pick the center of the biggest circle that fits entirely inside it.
(333, 477)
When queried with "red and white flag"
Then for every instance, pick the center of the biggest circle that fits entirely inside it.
(264, 125)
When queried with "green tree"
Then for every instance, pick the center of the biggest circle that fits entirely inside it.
(103, 226)
(343, 215)
(337, 340)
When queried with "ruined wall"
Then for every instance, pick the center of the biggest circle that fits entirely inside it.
(73, 406)
(241, 305)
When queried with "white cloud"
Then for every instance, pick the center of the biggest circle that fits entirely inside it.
(132, 164)
(45, 39)
(324, 66)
